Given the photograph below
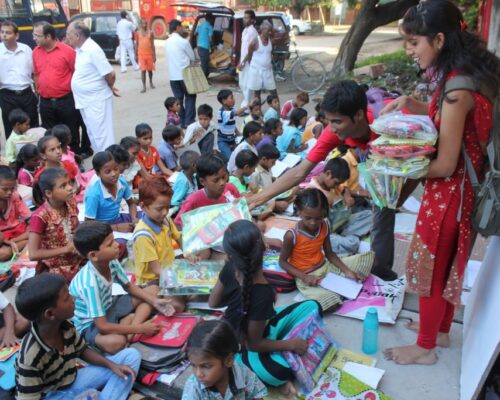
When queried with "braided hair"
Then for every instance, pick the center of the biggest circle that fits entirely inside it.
(244, 246)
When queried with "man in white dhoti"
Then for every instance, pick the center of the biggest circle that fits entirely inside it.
(248, 35)
(125, 31)
(93, 86)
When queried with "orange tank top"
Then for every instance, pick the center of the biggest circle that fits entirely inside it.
(144, 47)
(308, 250)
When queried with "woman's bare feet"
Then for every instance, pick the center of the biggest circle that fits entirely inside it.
(412, 354)
(443, 339)
(288, 390)
(151, 85)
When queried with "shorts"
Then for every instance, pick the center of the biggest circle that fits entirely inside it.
(146, 62)
(260, 79)
(121, 306)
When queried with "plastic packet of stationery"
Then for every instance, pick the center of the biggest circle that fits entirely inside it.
(415, 167)
(405, 126)
(384, 189)
(204, 227)
(182, 277)
(394, 141)
(404, 151)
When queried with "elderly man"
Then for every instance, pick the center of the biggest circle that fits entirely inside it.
(248, 35)
(16, 70)
(125, 30)
(93, 86)
(179, 55)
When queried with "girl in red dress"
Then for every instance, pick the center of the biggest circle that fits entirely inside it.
(436, 36)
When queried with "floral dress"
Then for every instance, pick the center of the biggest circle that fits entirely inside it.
(439, 194)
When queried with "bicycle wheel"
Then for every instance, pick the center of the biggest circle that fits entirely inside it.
(308, 75)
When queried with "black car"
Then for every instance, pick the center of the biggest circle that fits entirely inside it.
(102, 26)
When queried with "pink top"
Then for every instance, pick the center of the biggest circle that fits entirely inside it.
(25, 177)
(16, 211)
(287, 109)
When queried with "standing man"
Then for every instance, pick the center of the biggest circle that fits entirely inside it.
(125, 30)
(204, 33)
(93, 86)
(179, 55)
(16, 72)
(248, 35)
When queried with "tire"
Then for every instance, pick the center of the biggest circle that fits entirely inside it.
(308, 75)
(296, 30)
(159, 28)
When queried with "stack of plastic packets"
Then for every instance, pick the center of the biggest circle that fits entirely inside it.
(402, 151)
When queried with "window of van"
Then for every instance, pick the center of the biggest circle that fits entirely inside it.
(278, 25)
(105, 23)
(44, 7)
(12, 9)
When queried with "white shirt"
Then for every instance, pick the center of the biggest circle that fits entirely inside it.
(125, 29)
(191, 130)
(248, 35)
(88, 83)
(179, 55)
(16, 67)
(4, 302)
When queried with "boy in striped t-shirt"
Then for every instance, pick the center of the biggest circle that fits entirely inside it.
(104, 321)
(46, 365)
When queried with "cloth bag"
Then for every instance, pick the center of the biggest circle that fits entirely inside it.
(194, 79)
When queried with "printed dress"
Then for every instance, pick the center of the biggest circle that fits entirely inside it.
(441, 194)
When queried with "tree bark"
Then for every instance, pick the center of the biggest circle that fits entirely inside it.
(371, 16)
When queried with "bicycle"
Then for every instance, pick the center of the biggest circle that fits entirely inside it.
(308, 74)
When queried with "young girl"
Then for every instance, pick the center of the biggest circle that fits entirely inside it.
(104, 196)
(291, 140)
(315, 127)
(13, 216)
(246, 162)
(27, 164)
(145, 54)
(132, 145)
(53, 224)
(252, 134)
(437, 37)
(51, 153)
(211, 349)
(186, 182)
(273, 128)
(172, 105)
(307, 253)
(249, 299)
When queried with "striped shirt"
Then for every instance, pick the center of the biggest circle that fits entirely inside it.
(92, 293)
(41, 368)
(227, 123)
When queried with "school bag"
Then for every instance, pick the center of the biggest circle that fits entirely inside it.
(277, 277)
(486, 215)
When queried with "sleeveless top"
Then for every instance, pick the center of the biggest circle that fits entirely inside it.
(307, 249)
(261, 57)
(144, 46)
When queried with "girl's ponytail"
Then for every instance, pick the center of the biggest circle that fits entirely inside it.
(46, 181)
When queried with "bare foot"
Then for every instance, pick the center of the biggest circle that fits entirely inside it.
(412, 354)
(288, 390)
(443, 339)
(143, 90)
(151, 85)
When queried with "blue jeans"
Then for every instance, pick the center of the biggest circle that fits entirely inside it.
(226, 146)
(111, 386)
(187, 102)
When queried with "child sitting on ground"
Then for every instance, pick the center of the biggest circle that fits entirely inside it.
(132, 145)
(249, 298)
(226, 132)
(121, 157)
(53, 225)
(252, 134)
(215, 343)
(300, 101)
(291, 140)
(104, 196)
(273, 128)
(63, 133)
(201, 136)
(172, 137)
(262, 177)
(47, 363)
(273, 101)
(359, 197)
(20, 122)
(27, 164)
(335, 173)
(212, 174)
(14, 215)
(255, 114)
(105, 321)
(186, 182)
(172, 105)
(307, 254)
(314, 129)
(12, 326)
(246, 161)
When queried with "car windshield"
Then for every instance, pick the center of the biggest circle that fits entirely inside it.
(44, 7)
(12, 9)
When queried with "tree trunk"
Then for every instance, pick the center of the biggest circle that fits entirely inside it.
(370, 16)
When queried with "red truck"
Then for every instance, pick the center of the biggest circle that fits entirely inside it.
(159, 13)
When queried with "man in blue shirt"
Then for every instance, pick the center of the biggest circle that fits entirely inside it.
(204, 33)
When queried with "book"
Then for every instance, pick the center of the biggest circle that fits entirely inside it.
(346, 287)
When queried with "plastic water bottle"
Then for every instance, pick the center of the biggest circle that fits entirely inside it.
(370, 332)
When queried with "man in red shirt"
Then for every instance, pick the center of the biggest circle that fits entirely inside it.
(53, 67)
(346, 107)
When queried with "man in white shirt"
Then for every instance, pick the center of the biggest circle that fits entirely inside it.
(93, 86)
(125, 30)
(248, 35)
(16, 71)
(179, 55)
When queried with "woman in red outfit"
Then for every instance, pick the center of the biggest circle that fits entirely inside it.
(436, 36)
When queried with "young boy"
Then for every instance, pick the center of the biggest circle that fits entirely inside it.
(252, 134)
(186, 183)
(262, 177)
(246, 162)
(226, 138)
(335, 172)
(104, 321)
(46, 366)
(172, 105)
(300, 101)
(255, 114)
(20, 122)
(273, 101)
(212, 174)
(172, 137)
(145, 53)
(201, 136)
(121, 157)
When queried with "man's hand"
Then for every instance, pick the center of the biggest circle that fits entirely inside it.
(115, 91)
(123, 371)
